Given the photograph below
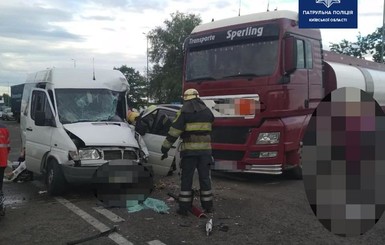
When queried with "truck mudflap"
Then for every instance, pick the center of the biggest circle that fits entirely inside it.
(117, 182)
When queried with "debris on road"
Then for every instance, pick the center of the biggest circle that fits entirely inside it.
(150, 203)
(170, 199)
(156, 205)
(209, 227)
(42, 192)
(223, 227)
(101, 234)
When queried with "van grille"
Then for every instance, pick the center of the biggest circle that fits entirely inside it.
(119, 154)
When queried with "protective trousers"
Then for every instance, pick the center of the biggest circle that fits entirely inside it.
(1, 191)
(1, 179)
(188, 166)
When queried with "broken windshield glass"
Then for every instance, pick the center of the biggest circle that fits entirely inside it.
(87, 105)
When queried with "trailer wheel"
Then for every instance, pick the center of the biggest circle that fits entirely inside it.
(56, 183)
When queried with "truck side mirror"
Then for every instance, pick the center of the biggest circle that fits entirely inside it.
(290, 55)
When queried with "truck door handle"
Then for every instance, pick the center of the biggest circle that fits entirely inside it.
(29, 129)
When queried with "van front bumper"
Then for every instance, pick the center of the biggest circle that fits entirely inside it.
(79, 174)
(111, 169)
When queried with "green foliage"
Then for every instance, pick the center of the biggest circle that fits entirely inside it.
(375, 40)
(7, 100)
(137, 84)
(167, 53)
(365, 45)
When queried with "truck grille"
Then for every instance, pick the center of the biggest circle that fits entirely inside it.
(230, 135)
(119, 154)
(228, 155)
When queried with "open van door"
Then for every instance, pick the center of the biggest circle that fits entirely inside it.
(157, 124)
(40, 121)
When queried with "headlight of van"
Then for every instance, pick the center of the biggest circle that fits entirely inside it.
(268, 138)
(86, 154)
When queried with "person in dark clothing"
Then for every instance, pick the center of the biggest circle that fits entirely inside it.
(5, 148)
(193, 124)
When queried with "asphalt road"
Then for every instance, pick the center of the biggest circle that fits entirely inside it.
(256, 209)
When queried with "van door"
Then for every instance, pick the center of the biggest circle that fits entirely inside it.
(38, 138)
(158, 123)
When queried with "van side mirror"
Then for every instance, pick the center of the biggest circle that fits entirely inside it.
(290, 55)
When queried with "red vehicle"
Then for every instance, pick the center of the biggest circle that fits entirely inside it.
(263, 77)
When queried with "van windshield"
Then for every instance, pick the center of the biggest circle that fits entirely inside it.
(245, 59)
(88, 105)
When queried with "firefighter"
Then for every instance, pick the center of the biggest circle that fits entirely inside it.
(132, 116)
(4, 151)
(193, 124)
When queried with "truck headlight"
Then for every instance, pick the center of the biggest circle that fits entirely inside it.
(85, 154)
(268, 138)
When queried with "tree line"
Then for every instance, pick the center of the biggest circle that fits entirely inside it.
(166, 55)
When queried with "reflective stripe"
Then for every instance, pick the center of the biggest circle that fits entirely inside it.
(185, 199)
(197, 138)
(205, 199)
(185, 193)
(196, 146)
(166, 144)
(4, 145)
(177, 116)
(175, 132)
(198, 126)
(206, 192)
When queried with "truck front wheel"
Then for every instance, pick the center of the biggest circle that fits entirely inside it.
(296, 172)
(56, 183)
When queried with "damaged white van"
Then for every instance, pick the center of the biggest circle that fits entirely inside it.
(73, 122)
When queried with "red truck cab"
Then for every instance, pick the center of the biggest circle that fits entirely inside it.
(262, 77)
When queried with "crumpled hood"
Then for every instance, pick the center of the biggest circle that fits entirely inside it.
(103, 133)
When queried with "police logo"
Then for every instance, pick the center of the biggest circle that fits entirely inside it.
(328, 3)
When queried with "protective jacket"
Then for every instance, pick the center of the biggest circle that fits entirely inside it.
(4, 145)
(193, 124)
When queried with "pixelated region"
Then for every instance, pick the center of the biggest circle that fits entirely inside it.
(343, 162)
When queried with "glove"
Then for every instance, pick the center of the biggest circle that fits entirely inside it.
(164, 156)
(164, 150)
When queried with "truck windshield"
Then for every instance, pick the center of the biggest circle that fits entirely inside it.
(88, 105)
(245, 59)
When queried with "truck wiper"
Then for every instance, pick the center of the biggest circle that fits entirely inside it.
(202, 78)
(243, 75)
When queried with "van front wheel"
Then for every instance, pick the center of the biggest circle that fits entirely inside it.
(56, 183)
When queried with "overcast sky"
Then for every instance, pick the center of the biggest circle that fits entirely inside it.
(37, 34)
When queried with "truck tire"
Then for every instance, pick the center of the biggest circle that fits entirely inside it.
(56, 183)
(296, 172)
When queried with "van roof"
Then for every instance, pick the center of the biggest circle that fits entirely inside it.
(80, 78)
(271, 15)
